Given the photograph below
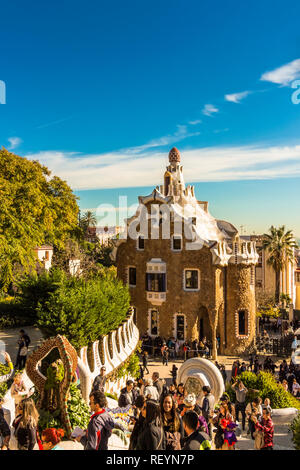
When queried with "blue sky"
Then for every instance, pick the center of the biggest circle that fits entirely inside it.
(100, 91)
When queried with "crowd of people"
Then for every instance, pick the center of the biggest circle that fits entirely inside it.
(172, 348)
(163, 417)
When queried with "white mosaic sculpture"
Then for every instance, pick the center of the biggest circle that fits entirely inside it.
(124, 341)
(198, 372)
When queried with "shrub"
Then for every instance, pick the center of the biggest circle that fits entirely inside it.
(83, 310)
(12, 314)
(3, 385)
(295, 428)
(265, 385)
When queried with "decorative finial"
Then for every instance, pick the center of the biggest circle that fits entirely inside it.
(174, 155)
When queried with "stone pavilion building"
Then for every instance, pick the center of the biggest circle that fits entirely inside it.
(190, 275)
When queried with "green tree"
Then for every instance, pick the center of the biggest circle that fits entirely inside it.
(88, 220)
(35, 209)
(280, 245)
(85, 309)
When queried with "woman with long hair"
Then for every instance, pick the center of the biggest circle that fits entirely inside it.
(152, 436)
(26, 425)
(172, 423)
(138, 421)
(225, 438)
(51, 438)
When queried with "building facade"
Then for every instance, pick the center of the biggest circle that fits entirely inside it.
(190, 275)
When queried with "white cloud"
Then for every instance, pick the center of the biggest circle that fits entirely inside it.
(145, 168)
(209, 110)
(194, 123)
(180, 134)
(236, 97)
(283, 75)
(14, 142)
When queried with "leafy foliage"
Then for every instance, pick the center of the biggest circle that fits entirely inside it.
(78, 410)
(35, 209)
(130, 367)
(84, 309)
(265, 385)
(3, 385)
(295, 428)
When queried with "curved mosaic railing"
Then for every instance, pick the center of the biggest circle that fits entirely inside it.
(110, 359)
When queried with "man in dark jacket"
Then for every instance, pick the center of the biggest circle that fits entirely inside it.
(208, 406)
(195, 440)
(128, 395)
(99, 382)
(100, 426)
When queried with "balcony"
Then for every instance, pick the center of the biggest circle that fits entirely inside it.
(156, 298)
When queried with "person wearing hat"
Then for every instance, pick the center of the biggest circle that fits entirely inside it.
(190, 404)
(100, 380)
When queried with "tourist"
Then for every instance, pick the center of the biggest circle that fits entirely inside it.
(251, 361)
(145, 361)
(296, 388)
(172, 391)
(172, 423)
(224, 400)
(208, 406)
(253, 408)
(177, 348)
(99, 381)
(128, 395)
(174, 373)
(4, 430)
(157, 382)
(23, 344)
(179, 396)
(219, 431)
(100, 426)
(240, 405)
(290, 378)
(267, 405)
(195, 347)
(26, 425)
(243, 368)
(224, 374)
(190, 404)
(256, 366)
(18, 389)
(234, 371)
(165, 354)
(150, 392)
(152, 436)
(285, 385)
(267, 427)
(196, 439)
(6, 377)
(138, 421)
(51, 437)
(283, 370)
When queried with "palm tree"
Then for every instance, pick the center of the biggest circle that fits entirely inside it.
(280, 246)
(88, 220)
